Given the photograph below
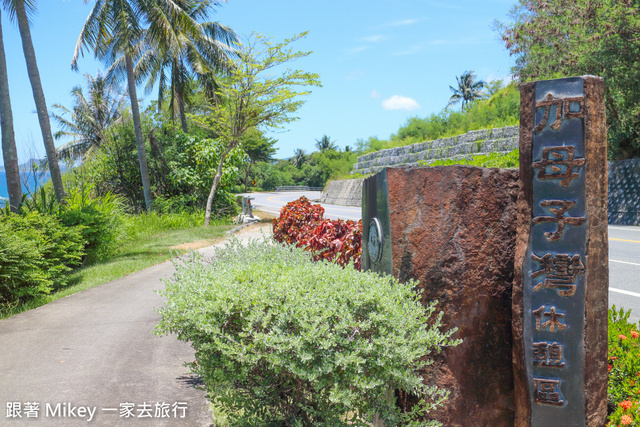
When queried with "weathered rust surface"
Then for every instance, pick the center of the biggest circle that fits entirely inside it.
(524, 207)
(597, 275)
(453, 229)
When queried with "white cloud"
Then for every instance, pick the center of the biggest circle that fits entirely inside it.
(399, 102)
(412, 50)
(375, 94)
(404, 22)
(359, 49)
(373, 39)
(354, 75)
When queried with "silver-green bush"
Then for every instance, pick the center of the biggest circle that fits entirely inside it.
(281, 340)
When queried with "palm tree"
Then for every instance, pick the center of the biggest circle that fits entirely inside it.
(9, 152)
(468, 89)
(299, 157)
(189, 57)
(20, 9)
(89, 118)
(114, 30)
(325, 143)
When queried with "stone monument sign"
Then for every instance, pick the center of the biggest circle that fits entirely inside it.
(561, 262)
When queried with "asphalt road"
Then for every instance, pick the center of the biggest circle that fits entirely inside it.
(624, 269)
(624, 248)
(272, 202)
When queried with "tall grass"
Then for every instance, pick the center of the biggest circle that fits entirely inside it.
(510, 160)
(152, 223)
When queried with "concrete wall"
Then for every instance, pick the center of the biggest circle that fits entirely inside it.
(501, 140)
(343, 193)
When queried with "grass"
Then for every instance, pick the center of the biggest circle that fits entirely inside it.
(147, 240)
(492, 160)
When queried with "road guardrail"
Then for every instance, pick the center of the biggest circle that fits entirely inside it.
(298, 188)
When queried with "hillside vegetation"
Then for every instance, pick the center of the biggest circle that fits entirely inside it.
(315, 169)
(502, 109)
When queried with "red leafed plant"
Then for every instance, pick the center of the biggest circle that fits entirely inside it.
(295, 217)
(301, 223)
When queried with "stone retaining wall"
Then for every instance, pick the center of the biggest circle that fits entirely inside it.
(347, 192)
(624, 192)
(624, 175)
(501, 140)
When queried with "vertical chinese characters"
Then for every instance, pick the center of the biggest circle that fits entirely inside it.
(557, 261)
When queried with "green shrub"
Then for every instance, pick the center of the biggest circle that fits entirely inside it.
(23, 273)
(37, 253)
(42, 201)
(624, 369)
(624, 357)
(97, 218)
(281, 340)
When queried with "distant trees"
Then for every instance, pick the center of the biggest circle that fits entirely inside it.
(468, 89)
(299, 157)
(325, 143)
(20, 10)
(258, 148)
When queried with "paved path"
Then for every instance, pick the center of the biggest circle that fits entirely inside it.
(95, 349)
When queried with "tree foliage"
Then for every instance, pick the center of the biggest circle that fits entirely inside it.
(561, 38)
(192, 56)
(469, 89)
(87, 122)
(259, 93)
(258, 148)
(181, 166)
(325, 143)
(299, 157)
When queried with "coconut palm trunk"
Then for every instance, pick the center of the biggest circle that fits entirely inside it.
(135, 112)
(9, 152)
(183, 116)
(38, 97)
(177, 95)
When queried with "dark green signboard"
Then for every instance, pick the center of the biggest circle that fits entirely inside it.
(376, 233)
(554, 291)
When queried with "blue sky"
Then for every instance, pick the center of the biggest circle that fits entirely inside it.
(380, 62)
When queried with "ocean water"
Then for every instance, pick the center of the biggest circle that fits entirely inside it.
(28, 183)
